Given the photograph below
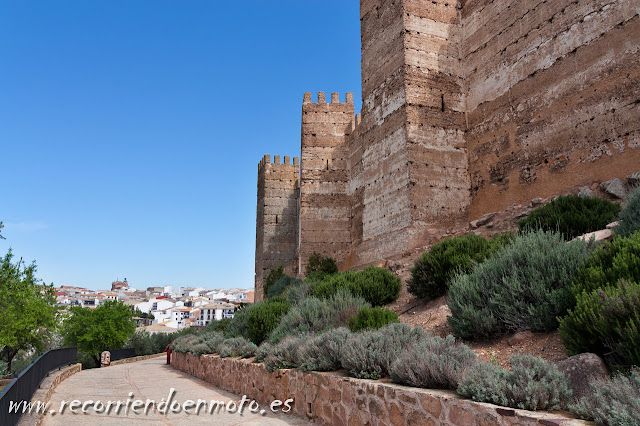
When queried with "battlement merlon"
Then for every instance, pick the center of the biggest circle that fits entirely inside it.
(266, 161)
(335, 98)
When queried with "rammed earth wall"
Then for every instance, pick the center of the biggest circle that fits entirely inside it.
(331, 398)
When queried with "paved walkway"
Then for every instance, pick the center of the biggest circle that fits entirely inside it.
(151, 379)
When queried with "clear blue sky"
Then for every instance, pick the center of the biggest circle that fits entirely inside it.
(131, 131)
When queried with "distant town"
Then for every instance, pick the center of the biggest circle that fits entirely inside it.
(162, 309)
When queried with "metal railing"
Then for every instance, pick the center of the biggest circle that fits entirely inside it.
(122, 353)
(22, 388)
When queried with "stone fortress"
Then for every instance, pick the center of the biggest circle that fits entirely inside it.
(468, 107)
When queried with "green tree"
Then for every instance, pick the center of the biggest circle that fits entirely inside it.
(27, 309)
(93, 331)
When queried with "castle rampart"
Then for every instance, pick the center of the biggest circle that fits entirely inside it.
(468, 107)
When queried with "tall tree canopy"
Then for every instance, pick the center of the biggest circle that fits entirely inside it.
(27, 309)
(95, 330)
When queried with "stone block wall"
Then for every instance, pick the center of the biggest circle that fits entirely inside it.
(469, 107)
(333, 399)
(553, 96)
(324, 203)
(277, 219)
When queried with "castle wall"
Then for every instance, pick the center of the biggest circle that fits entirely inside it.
(324, 203)
(277, 218)
(553, 96)
(379, 177)
(438, 162)
(468, 107)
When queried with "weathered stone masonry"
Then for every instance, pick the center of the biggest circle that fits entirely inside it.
(334, 399)
(468, 107)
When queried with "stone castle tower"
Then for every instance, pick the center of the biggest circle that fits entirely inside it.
(468, 107)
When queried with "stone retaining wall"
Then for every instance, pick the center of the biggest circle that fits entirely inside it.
(137, 358)
(334, 399)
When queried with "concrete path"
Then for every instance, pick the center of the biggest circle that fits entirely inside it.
(152, 380)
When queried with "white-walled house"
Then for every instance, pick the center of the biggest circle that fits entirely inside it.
(212, 312)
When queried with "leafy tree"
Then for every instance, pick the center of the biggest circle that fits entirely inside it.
(27, 309)
(95, 330)
(1, 226)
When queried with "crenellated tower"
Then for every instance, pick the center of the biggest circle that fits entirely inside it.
(324, 200)
(277, 219)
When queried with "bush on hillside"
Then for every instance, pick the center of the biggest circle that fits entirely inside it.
(320, 266)
(219, 326)
(322, 352)
(273, 276)
(265, 316)
(237, 347)
(523, 287)
(198, 344)
(298, 292)
(370, 353)
(376, 285)
(572, 216)
(433, 363)
(314, 315)
(617, 260)
(239, 324)
(372, 318)
(612, 402)
(531, 384)
(629, 219)
(606, 322)
(433, 271)
(285, 354)
(281, 286)
(263, 351)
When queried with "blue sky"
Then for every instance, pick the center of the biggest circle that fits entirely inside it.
(131, 130)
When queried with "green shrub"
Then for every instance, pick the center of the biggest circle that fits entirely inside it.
(572, 216)
(322, 352)
(369, 354)
(141, 342)
(522, 287)
(372, 318)
(219, 326)
(376, 285)
(532, 384)
(614, 402)
(203, 343)
(237, 347)
(239, 324)
(432, 273)
(617, 260)
(183, 344)
(298, 292)
(273, 276)
(320, 266)
(606, 322)
(433, 363)
(629, 219)
(281, 286)
(285, 354)
(263, 351)
(265, 316)
(313, 315)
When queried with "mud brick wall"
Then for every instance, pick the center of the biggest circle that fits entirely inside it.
(468, 107)
(553, 96)
(438, 163)
(333, 399)
(277, 218)
(324, 203)
(379, 173)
